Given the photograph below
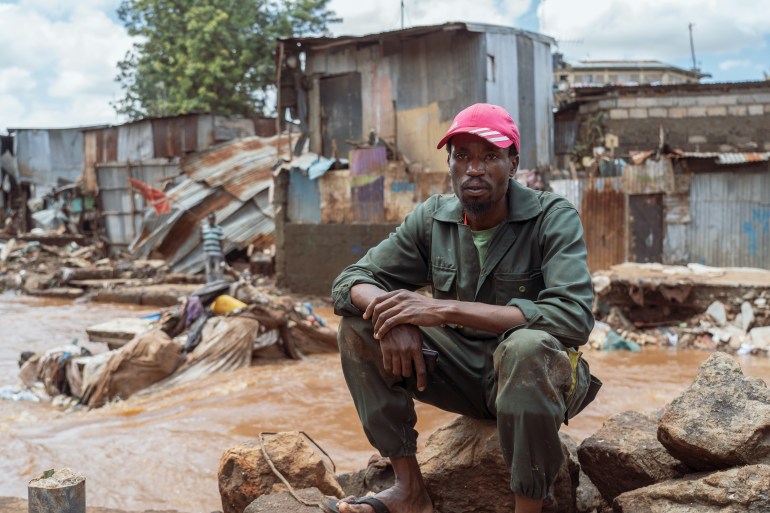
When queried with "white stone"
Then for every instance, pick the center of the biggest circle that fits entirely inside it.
(760, 337)
(747, 316)
(717, 312)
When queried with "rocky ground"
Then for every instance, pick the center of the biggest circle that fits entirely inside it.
(707, 450)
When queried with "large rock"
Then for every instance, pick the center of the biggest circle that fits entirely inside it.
(722, 420)
(464, 471)
(729, 491)
(286, 503)
(625, 454)
(245, 475)
(588, 499)
(377, 476)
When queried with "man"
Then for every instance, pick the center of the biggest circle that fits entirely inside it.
(213, 236)
(511, 300)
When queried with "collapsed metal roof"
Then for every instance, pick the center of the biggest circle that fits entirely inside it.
(232, 181)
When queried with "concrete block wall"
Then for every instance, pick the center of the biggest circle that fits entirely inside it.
(715, 121)
(317, 253)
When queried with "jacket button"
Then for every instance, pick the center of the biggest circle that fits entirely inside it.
(522, 289)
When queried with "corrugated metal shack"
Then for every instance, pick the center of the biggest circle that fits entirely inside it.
(48, 157)
(147, 150)
(231, 180)
(708, 208)
(382, 102)
(407, 85)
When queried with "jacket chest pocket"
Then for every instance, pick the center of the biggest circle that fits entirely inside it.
(444, 283)
(509, 286)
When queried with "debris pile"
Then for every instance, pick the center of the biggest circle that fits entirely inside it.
(67, 266)
(693, 306)
(219, 327)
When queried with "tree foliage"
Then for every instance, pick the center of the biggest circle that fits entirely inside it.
(208, 55)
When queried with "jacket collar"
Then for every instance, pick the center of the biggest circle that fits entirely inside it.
(523, 204)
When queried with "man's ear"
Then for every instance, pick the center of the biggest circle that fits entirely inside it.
(514, 165)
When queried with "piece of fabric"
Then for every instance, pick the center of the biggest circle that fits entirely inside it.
(148, 358)
(212, 237)
(481, 240)
(536, 262)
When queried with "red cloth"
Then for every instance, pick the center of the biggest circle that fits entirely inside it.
(153, 196)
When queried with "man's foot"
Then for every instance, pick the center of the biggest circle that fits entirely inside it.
(397, 499)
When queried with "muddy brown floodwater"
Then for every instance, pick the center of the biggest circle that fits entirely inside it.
(162, 451)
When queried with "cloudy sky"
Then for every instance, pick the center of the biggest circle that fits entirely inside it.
(58, 57)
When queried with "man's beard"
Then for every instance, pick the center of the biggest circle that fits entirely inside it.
(475, 206)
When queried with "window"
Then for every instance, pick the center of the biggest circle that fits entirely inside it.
(491, 71)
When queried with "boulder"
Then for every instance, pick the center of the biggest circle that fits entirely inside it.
(245, 475)
(734, 490)
(377, 476)
(625, 454)
(722, 420)
(588, 499)
(284, 502)
(464, 471)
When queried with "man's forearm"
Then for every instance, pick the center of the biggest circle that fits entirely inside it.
(363, 293)
(492, 318)
(428, 311)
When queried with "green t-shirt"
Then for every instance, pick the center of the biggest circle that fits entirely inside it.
(481, 240)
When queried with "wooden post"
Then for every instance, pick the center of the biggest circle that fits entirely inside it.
(278, 97)
(132, 208)
(61, 491)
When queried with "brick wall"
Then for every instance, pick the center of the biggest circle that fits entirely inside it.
(709, 121)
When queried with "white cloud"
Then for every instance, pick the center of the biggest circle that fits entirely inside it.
(67, 53)
(15, 79)
(653, 29)
(735, 63)
(361, 17)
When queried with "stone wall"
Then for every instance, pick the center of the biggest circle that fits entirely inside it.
(722, 120)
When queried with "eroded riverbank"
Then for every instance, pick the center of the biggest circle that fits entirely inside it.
(162, 451)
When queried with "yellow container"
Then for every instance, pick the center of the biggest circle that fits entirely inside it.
(225, 304)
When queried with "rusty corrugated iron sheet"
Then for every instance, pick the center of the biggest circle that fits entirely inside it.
(602, 206)
(649, 177)
(240, 167)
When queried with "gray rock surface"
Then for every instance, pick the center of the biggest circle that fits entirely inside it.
(588, 499)
(284, 502)
(722, 420)
(624, 454)
(730, 491)
(464, 471)
(377, 476)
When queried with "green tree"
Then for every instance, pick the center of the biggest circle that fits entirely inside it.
(208, 55)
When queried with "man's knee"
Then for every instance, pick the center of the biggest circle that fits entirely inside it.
(525, 346)
(355, 336)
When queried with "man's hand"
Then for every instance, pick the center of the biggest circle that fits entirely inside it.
(402, 307)
(401, 350)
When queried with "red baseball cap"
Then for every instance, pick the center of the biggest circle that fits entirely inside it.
(490, 122)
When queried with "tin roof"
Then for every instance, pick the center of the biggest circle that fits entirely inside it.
(240, 167)
(232, 181)
(727, 158)
(411, 32)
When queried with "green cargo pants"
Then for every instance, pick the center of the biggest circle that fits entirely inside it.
(529, 382)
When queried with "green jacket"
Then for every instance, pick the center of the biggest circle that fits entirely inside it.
(536, 262)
